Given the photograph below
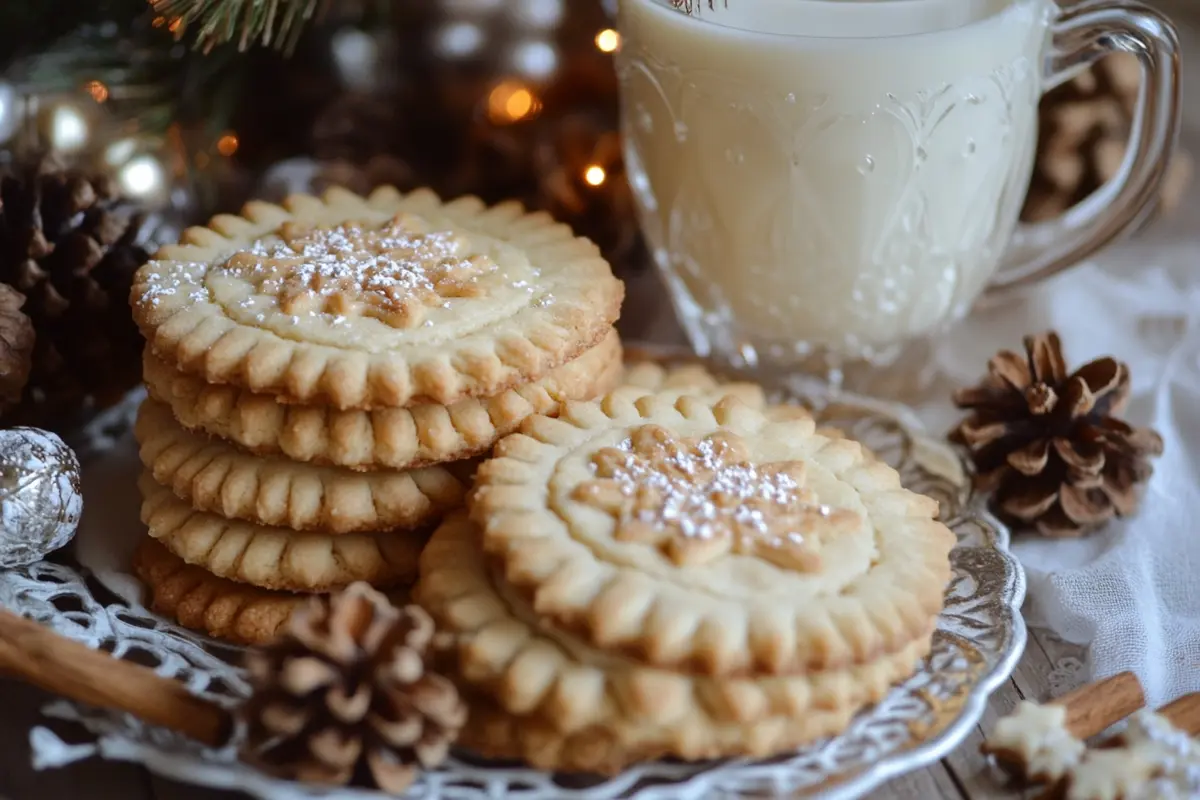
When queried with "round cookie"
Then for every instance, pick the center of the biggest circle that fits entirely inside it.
(275, 558)
(712, 538)
(214, 475)
(376, 302)
(197, 599)
(691, 379)
(569, 705)
(493, 733)
(654, 377)
(386, 438)
(224, 609)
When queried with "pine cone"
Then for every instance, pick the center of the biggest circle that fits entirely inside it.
(1050, 445)
(1084, 130)
(16, 347)
(71, 245)
(346, 697)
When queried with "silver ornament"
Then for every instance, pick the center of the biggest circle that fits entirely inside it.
(40, 498)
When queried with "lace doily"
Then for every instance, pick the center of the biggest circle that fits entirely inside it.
(87, 595)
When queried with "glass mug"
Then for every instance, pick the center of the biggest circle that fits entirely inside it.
(824, 182)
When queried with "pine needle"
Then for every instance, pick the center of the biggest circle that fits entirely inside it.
(273, 23)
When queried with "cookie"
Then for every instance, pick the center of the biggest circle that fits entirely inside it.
(199, 600)
(568, 705)
(214, 475)
(223, 609)
(275, 558)
(392, 438)
(376, 302)
(600, 750)
(689, 378)
(655, 377)
(712, 538)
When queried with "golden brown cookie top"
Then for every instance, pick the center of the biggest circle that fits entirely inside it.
(394, 272)
(714, 538)
(699, 499)
(376, 302)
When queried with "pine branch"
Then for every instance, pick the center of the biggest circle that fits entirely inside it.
(145, 76)
(274, 23)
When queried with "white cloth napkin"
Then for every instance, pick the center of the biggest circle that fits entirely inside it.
(1131, 592)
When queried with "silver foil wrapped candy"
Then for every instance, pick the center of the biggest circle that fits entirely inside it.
(40, 497)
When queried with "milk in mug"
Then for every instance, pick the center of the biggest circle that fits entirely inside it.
(837, 175)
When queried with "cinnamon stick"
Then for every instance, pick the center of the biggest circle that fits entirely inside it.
(1184, 713)
(59, 665)
(1094, 708)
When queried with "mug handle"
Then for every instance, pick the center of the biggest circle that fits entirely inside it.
(1082, 35)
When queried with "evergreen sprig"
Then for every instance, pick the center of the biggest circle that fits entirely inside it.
(274, 23)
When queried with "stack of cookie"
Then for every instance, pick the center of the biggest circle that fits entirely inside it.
(322, 376)
(658, 575)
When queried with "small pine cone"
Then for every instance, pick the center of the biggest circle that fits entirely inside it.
(1050, 445)
(345, 697)
(71, 245)
(16, 347)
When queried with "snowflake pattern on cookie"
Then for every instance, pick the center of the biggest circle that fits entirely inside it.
(698, 500)
(393, 273)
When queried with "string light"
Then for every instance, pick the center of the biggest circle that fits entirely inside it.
(141, 177)
(534, 59)
(68, 129)
(120, 151)
(459, 40)
(227, 145)
(97, 90)
(511, 101)
(608, 41)
(595, 175)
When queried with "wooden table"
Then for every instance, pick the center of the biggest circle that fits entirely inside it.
(1049, 666)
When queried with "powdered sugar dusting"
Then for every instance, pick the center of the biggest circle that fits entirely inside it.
(174, 278)
(394, 273)
(698, 475)
(698, 500)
